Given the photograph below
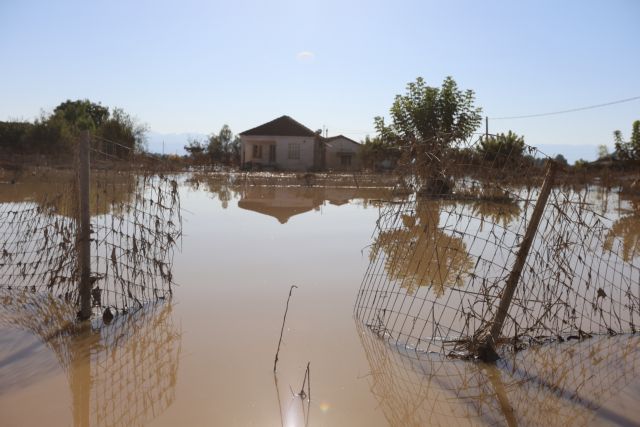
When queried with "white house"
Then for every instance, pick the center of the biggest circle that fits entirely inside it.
(285, 144)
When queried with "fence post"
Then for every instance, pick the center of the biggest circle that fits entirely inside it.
(84, 229)
(487, 349)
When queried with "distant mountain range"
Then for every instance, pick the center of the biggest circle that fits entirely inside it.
(174, 144)
(570, 152)
(171, 143)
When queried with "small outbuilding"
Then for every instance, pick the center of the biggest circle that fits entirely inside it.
(342, 154)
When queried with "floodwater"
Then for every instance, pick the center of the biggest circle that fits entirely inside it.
(206, 356)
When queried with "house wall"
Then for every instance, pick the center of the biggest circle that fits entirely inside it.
(338, 147)
(307, 150)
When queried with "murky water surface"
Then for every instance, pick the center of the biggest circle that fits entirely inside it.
(206, 357)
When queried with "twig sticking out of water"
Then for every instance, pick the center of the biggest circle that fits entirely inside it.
(284, 319)
(307, 381)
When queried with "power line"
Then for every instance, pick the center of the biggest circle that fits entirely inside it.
(571, 110)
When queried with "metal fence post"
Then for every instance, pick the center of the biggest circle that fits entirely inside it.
(84, 229)
(487, 349)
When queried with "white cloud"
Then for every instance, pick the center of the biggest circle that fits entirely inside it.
(305, 55)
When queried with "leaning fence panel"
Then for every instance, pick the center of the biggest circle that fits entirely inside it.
(443, 254)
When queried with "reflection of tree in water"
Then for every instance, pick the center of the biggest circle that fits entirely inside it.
(553, 384)
(418, 253)
(55, 189)
(496, 213)
(123, 373)
(223, 187)
(626, 230)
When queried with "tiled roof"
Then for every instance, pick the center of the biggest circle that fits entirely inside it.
(331, 138)
(282, 126)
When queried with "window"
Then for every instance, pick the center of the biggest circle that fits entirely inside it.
(272, 153)
(257, 151)
(345, 160)
(294, 151)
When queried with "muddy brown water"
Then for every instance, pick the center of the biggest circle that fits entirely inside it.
(206, 356)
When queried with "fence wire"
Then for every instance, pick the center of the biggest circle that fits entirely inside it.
(443, 253)
(135, 226)
(123, 373)
(568, 383)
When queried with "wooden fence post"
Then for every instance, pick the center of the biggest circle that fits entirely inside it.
(84, 229)
(487, 348)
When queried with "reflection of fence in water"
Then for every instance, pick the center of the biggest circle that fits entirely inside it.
(440, 261)
(558, 384)
(135, 222)
(119, 374)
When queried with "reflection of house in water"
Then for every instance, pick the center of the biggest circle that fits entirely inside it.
(280, 202)
(284, 202)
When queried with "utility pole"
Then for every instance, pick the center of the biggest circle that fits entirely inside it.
(486, 127)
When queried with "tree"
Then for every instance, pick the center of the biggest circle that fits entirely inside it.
(375, 150)
(431, 117)
(224, 147)
(502, 148)
(561, 160)
(196, 150)
(57, 132)
(603, 151)
(82, 114)
(628, 150)
(123, 129)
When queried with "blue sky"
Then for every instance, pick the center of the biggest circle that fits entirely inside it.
(191, 66)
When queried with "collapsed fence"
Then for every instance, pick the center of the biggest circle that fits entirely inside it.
(100, 234)
(489, 248)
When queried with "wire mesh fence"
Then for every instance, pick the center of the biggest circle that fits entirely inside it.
(467, 233)
(570, 383)
(123, 373)
(135, 224)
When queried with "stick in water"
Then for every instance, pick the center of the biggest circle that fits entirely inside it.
(307, 381)
(284, 319)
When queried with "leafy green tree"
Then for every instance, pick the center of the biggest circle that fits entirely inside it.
(580, 164)
(50, 135)
(501, 148)
(375, 151)
(431, 117)
(120, 127)
(234, 150)
(224, 147)
(628, 150)
(603, 151)
(57, 132)
(82, 114)
(561, 160)
(197, 151)
(13, 136)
